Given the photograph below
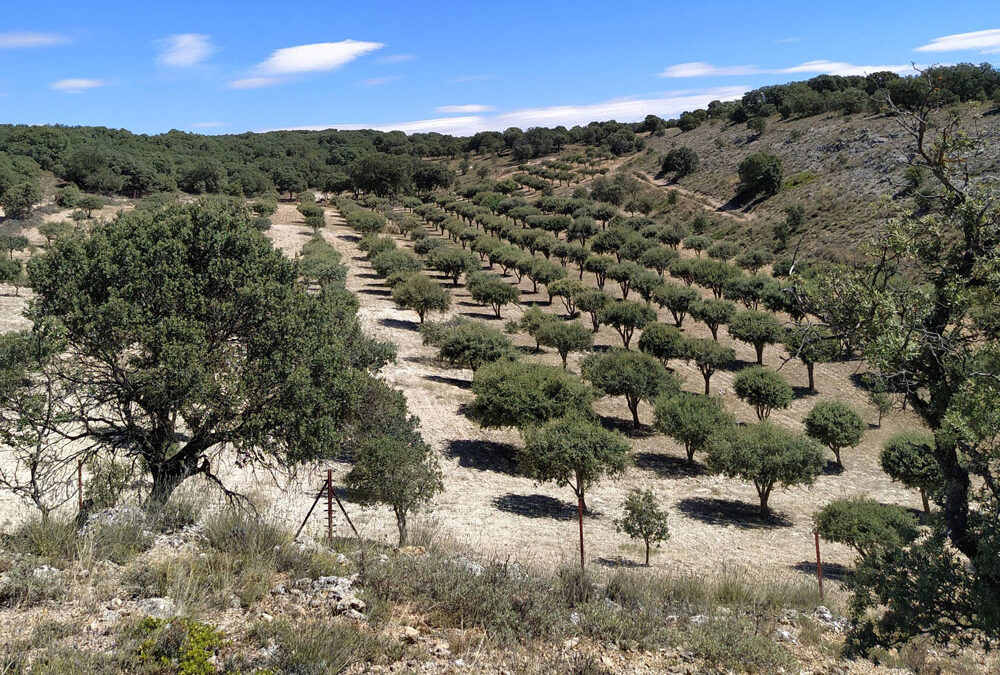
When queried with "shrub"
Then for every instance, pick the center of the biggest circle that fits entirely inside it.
(836, 425)
(636, 376)
(712, 313)
(183, 645)
(756, 328)
(644, 519)
(662, 341)
(764, 389)
(489, 289)
(760, 173)
(518, 394)
(565, 337)
(864, 524)
(708, 356)
(626, 316)
(681, 161)
(421, 294)
(318, 647)
(908, 457)
(469, 344)
(691, 419)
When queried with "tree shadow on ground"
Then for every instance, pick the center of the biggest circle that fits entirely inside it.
(619, 562)
(378, 292)
(668, 466)
(354, 238)
(831, 469)
(536, 506)
(802, 392)
(484, 455)
(367, 275)
(480, 315)
(729, 512)
(401, 324)
(736, 365)
(834, 571)
(625, 427)
(453, 381)
(534, 303)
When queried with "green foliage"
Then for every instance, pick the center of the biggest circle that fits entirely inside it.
(210, 307)
(760, 173)
(565, 337)
(452, 262)
(764, 389)
(836, 425)
(756, 328)
(662, 341)
(691, 419)
(319, 263)
(709, 356)
(626, 316)
(636, 376)
(396, 263)
(724, 250)
(395, 467)
(489, 289)
(865, 525)
(676, 298)
(183, 645)
(908, 457)
(811, 344)
(573, 451)
(68, 196)
(594, 302)
(90, 203)
(519, 394)
(682, 161)
(712, 313)
(468, 344)
(53, 229)
(644, 519)
(317, 646)
(765, 455)
(420, 294)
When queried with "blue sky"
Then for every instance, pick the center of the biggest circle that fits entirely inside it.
(455, 67)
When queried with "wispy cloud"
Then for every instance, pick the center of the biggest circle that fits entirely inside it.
(379, 81)
(395, 58)
(77, 85)
(207, 125)
(983, 41)
(821, 66)
(184, 50)
(315, 57)
(27, 39)
(254, 82)
(464, 109)
(312, 58)
(787, 40)
(670, 104)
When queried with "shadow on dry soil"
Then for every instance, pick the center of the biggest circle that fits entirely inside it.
(536, 506)
(483, 455)
(725, 511)
(668, 466)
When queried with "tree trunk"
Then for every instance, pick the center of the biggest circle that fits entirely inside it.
(760, 354)
(166, 477)
(812, 381)
(579, 516)
(923, 498)
(836, 453)
(764, 494)
(401, 526)
(634, 407)
(714, 327)
(708, 377)
(647, 552)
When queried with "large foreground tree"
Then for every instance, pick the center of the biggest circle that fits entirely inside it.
(186, 334)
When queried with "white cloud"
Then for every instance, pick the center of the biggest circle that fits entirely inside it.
(24, 39)
(787, 40)
(702, 69)
(185, 50)
(471, 78)
(77, 85)
(820, 66)
(624, 110)
(395, 58)
(984, 41)
(315, 57)
(471, 108)
(378, 81)
(207, 125)
(254, 82)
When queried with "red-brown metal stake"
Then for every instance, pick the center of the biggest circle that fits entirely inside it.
(579, 513)
(329, 505)
(79, 486)
(819, 565)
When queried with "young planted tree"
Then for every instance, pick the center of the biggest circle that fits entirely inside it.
(468, 344)
(593, 302)
(421, 294)
(756, 328)
(567, 290)
(624, 273)
(491, 290)
(393, 465)
(763, 389)
(90, 203)
(676, 298)
(712, 313)
(658, 258)
(565, 337)
(644, 519)
(691, 419)
(709, 356)
(519, 394)
(662, 341)
(836, 425)
(636, 376)
(531, 322)
(453, 262)
(225, 347)
(865, 525)
(626, 316)
(598, 265)
(575, 452)
(811, 344)
(765, 455)
(908, 457)
(53, 229)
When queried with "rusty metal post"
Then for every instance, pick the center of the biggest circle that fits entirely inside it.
(79, 486)
(819, 565)
(309, 513)
(579, 514)
(329, 505)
